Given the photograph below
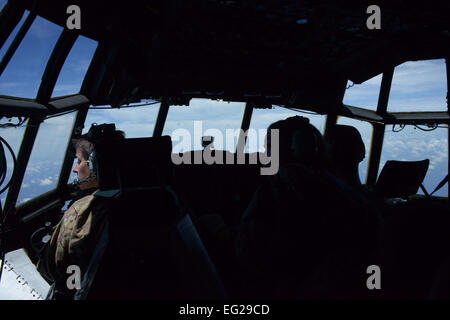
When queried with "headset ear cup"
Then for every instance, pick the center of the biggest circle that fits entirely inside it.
(93, 163)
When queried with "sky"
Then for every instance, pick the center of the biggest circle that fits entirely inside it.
(416, 86)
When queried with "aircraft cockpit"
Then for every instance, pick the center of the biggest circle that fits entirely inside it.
(198, 190)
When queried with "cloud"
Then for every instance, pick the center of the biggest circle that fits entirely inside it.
(412, 144)
(64, 89)
(419, 76)
(79, 66)
(24, 200)
(31, 170)
(9, 84)
(410, 102)
(45, 182)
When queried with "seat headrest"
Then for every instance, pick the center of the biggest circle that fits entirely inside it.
(134, 163)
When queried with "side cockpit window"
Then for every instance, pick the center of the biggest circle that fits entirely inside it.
(22, 76)
(3, 4)
(75, 67)
(13, 34)
(46, 157)
(364, 95)
(419, 86)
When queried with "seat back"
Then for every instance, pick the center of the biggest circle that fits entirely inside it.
(221, 188)
(134, 163)
(154, 251)
(400, 179)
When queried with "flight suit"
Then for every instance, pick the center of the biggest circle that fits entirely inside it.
(72, 243)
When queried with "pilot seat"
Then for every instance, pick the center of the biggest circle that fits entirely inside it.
(148, 248)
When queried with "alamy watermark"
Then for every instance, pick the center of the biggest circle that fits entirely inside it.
(374, 20)
(269, 160)
(74, 20)
(74, 280)
(374, 280)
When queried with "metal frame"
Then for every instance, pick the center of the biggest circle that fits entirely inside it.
(103, 57)
(10, 17)
(434, 117)
(17, 40)
(447, 68)
(378, 129)
(54, 65)
(23, 157)
(161, 118)
(245, 125)
(332, 116)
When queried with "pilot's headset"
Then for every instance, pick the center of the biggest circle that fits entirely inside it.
(92, 163)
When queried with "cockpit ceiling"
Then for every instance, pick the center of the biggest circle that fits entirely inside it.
(288, 52)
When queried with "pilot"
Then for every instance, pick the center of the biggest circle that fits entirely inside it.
(297, 219)
(270, 244)
(75, 237)
(270, 229)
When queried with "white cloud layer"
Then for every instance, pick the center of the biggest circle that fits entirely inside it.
(45, 182)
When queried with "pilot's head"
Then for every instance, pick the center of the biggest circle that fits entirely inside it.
(84, 147)
(299, 141)
(86, 179)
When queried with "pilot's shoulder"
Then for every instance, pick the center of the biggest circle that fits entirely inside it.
(82, 204)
